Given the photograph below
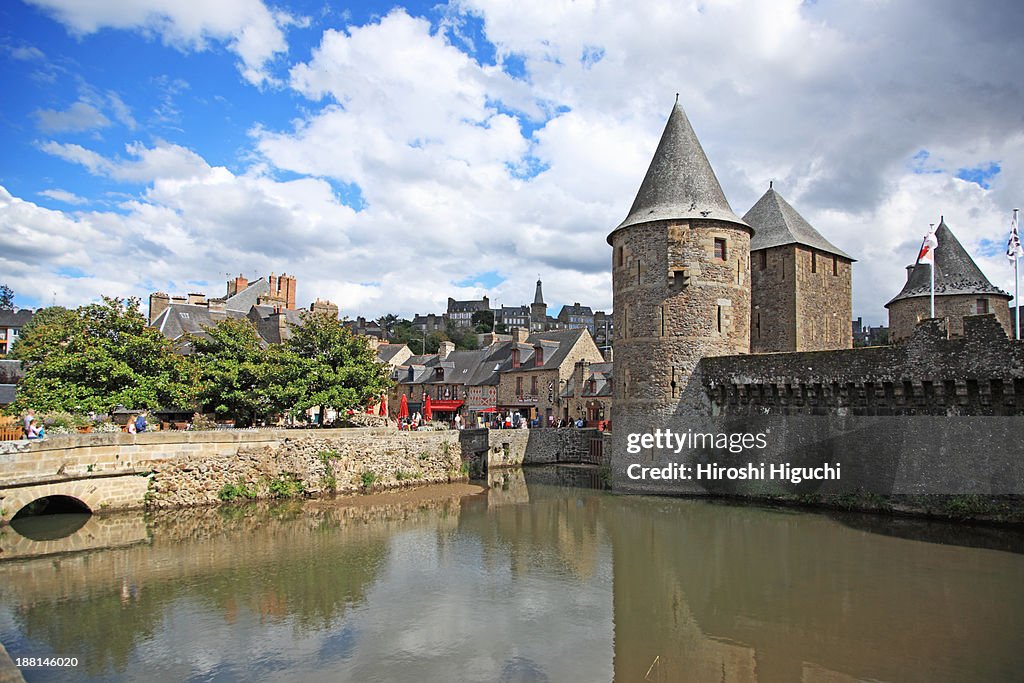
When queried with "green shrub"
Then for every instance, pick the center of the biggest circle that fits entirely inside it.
(288, 485)
(368, 478)
(230, 492)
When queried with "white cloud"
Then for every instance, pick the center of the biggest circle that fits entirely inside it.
(63, 196)
(80, 116)
(247, 27)
(831, 101)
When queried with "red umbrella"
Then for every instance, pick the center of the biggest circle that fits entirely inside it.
(383, 406)
(403, 408)
(428, 412)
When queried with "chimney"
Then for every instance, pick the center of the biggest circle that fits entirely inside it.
(488, 339)
(196, 298)
(583, 371)
(217, 305)
(520, 335)
(282, 324)
(910, 269)
(445, 348)
(158, 303)
(237, 285)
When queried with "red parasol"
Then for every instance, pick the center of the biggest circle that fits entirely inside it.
(428, 412)
(403, 408)
(383, 410)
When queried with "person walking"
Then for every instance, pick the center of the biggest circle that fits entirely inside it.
(30, 415)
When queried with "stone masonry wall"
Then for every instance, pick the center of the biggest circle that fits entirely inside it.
(773, 300)
(905, 314)
(321, 465)
(111, 471)
(824, 301)
(981, 373)
(517, 447)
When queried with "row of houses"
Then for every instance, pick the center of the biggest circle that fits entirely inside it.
(545, 376)
(533, 317)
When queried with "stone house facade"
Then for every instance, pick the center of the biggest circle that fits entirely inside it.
(538, 371)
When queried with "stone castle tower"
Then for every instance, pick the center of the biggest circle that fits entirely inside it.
(801, 284)
(680, 278)
(961, 289)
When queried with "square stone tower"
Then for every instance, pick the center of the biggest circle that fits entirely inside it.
(801, 284)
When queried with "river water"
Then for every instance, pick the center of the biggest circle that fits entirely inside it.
(530, 581)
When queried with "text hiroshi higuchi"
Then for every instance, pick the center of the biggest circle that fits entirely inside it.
(667, 440)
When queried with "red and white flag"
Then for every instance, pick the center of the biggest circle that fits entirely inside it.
(927, 254)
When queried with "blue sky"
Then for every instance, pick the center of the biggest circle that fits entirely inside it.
(391, 155)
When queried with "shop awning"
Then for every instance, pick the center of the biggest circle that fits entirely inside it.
(446, 406)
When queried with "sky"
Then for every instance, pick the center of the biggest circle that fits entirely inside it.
(390, 156)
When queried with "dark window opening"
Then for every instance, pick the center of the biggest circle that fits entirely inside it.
(764, 260)
(814, 262)
(982, 306)
(719, 318)
(720, 249)
(835, 265)
(619, 257)
(519, 385)
(757, 325)
(533, 384)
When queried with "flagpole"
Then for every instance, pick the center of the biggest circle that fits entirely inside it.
(1016, 285)
(931, 268)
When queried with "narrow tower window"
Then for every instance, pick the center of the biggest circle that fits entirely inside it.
(720, 250)
(663, 321)
(638, 271)
(757, 325)
(618, 257)
(764, 259)
(674, 386)
(719, 321)
(814, 262)
(835, 264)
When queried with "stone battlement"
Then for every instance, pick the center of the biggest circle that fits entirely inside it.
(980, 373)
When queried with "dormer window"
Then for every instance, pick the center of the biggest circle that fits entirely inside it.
(538, 356)
(515, 358)
(439, 373)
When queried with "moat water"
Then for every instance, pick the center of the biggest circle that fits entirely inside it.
(530, 581)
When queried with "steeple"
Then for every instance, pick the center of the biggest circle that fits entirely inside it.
(538, 298)
(680, 183)
(955, 272)
(776, 223)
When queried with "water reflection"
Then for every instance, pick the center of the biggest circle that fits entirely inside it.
(530, 582)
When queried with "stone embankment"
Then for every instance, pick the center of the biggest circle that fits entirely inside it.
(350, 463)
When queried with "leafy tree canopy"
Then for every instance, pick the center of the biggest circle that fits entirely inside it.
(94, 357)
(6, 298)
(338, 370)
(239, 378)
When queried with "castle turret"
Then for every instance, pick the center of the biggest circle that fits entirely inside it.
(801, 284)
(961, 289)
(680, 279)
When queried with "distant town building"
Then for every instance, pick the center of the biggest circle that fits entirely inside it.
(576, 317)
(864, 335)
(961, 289)
(11, 323)
(268, 303)
(588, 394)
(460, 313)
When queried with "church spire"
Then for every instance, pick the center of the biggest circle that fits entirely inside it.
(680, 183)
(538, 298)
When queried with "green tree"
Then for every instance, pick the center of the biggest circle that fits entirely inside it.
(338, 370)
(387, 323)
(483, 321)
(240, 379)
(97, 356)
(6, 298)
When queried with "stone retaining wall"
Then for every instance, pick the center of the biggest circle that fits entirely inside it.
(347, 463)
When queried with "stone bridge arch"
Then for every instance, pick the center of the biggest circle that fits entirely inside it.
(95, 493)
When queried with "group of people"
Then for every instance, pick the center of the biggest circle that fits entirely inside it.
(35, 429)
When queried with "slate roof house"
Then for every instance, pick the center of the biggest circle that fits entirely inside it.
(11, 323)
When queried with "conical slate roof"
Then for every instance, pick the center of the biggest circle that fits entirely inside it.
(680, 183)
(955, 272)
(776, 223)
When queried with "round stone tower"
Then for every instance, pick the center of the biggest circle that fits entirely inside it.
(680, 281)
